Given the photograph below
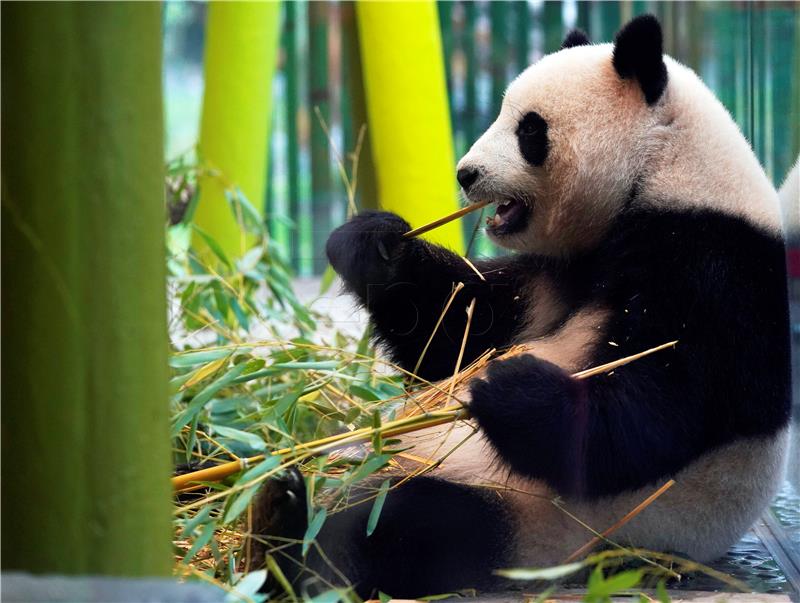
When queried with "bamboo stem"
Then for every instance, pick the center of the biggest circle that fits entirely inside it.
(445, 219)
(408, 424)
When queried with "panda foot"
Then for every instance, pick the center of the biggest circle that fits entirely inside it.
(280, 520)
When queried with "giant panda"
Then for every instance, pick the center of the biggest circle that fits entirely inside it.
(637, 215)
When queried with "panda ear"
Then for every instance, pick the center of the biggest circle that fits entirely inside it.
(576, 37)
(638, 53)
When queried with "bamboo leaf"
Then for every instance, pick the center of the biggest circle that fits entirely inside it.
(265, 466)
(249, 439)
(204, 371)
(377, 507)
(247, 587)
(240, 503)
(314, 526)
(205, 396)
(213, 246)
(195, 358)
(202, 540)
(327, 280)
(277, 573)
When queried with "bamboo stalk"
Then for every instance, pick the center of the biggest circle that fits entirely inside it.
(445, 219)
(628, 516)
(389, 429)
(410, 423)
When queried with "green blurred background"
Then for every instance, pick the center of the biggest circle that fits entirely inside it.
(747, 52)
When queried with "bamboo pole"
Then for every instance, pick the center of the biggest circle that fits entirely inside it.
(405, 84)
(292, 69)
(240, 55)
(319, 100)
(84, 348)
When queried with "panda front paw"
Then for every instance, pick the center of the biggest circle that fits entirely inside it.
(520, 406)
(366, 250)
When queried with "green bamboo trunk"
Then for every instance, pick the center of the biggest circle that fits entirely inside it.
(553, 26)
(240, 56)
(354, 111)
(85, 444)
(292, 69)
(319, 98)
(498, 18)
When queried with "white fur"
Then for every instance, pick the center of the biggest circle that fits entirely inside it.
(790, 200)
(713, 502)
(603, 137)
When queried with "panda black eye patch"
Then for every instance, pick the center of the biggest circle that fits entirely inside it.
(532, 138)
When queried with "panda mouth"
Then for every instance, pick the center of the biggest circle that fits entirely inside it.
(511, 216)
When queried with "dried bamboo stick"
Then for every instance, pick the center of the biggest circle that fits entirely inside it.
(445, 219)
(628, 516)
(407, 424)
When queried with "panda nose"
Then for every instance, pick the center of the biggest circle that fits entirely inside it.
(466, 177)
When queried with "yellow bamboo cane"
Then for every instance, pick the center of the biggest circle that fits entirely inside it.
(240, 55)
(409, 118)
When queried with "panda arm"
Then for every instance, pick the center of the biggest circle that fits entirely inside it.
(591, 437)
(405, 285)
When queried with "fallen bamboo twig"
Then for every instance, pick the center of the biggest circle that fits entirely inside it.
(628, 516)
(445, 219)
(410, 423)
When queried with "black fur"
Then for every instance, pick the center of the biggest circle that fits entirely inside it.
(405, 284)
(576, 37)
(532, 138)
(432, 537)
(709, 280)
(638, 53)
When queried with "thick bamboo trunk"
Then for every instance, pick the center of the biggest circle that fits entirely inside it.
(85, 447)
(240, 55)
(409, 117)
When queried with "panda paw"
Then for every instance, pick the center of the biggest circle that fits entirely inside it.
(367, 249)
(518, 405)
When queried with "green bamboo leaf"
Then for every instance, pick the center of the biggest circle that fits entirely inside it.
(370, 467)
(265, 466)
(365, 392)
(377, 507)
(240, 503)
(240, 314)
(251, 440)
(247, 587)
(315, 365)
(327, 280)
(200, 400)
(204, 357)
(213, 246)
(201, 516)
(314, 526)
(275, 570)
(202, 540)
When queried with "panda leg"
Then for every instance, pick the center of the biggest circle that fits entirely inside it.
(432, 537)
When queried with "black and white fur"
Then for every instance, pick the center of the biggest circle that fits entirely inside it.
(640, 216)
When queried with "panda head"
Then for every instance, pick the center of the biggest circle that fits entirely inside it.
(581, 133)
